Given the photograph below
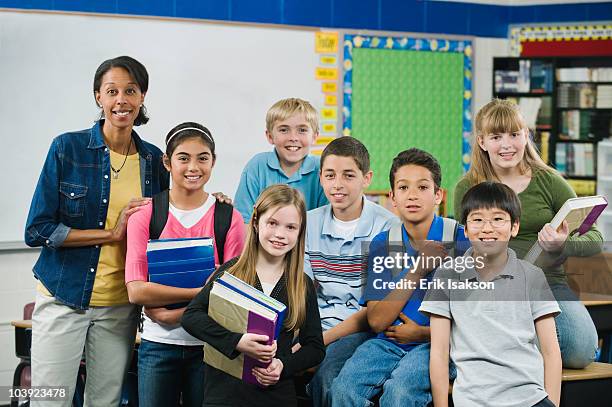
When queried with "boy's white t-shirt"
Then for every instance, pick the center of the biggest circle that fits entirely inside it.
(176, 335)
(344, 229)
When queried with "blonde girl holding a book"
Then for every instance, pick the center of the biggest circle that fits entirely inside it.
(273, 262)
(503, 151)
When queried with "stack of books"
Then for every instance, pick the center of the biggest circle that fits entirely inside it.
(574, 159)
(506, 81)
(582, 95)
(584, 74)
(576, 125)
(541, 76)
(574, 74)
(241, 308)
(183, 263)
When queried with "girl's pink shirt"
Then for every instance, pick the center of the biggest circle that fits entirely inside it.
(136, 266)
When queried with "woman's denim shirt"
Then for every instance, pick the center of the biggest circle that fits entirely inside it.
(73, 192)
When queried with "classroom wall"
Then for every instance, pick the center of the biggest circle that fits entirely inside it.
(484, 20)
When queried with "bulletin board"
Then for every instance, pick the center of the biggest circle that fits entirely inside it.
(401, 93)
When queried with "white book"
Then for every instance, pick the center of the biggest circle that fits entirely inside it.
(580, 214)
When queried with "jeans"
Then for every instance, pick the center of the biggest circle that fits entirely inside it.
(336, 355)
(575, 329)
(380, 365)
(544, 403)
(166, 371)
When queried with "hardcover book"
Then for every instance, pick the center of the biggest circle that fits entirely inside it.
(239, 311)
(580, 214)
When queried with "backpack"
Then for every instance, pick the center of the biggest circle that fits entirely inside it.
(222, 222)
(395, 235)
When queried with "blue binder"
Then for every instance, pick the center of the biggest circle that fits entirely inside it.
(183, 263)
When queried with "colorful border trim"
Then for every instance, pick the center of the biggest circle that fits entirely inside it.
(410, 44)
(578, 32)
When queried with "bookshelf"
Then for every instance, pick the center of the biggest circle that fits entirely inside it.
(568, 102)
(604, 186)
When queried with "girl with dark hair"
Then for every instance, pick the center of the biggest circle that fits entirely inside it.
(90, 184)
(170, 361)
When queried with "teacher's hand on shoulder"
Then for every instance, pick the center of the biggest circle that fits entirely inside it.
(120, 229)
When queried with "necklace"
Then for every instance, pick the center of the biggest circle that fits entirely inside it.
(116, 171)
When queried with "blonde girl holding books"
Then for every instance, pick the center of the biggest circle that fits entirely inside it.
(272, 261)
(170, 361)
(503, 151)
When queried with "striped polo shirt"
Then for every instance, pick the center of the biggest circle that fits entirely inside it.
(338, 264)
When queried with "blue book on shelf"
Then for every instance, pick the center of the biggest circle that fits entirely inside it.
(183, 263)
(252, 293)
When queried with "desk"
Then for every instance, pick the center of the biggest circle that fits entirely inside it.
(591, 386)
(600, 309)
(23, 338)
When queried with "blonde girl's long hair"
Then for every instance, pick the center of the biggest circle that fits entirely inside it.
(273, 198)
(500, 116)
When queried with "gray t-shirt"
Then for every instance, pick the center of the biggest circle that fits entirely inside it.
(493, 338)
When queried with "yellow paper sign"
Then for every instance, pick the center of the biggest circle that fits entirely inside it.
(326, 73)
(329, 87)
(326, 42)
(328, 60)
(316, 152)
(328, 128)
(330, 113)
(324, 140)
(331, 100)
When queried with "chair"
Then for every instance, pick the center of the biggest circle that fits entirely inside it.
(23, 341)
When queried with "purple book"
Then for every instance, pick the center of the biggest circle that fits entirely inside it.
(240, 314)
(580, 215)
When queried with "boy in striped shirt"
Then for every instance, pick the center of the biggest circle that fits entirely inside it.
(337, 236)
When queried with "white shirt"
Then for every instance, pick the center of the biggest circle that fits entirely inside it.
(190, 217)
(344, 229)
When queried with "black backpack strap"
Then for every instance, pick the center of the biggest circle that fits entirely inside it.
(159, 216)
(223, 221)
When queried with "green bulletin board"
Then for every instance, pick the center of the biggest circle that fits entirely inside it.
(409, 98)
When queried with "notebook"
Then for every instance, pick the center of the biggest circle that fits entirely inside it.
(183, 263)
